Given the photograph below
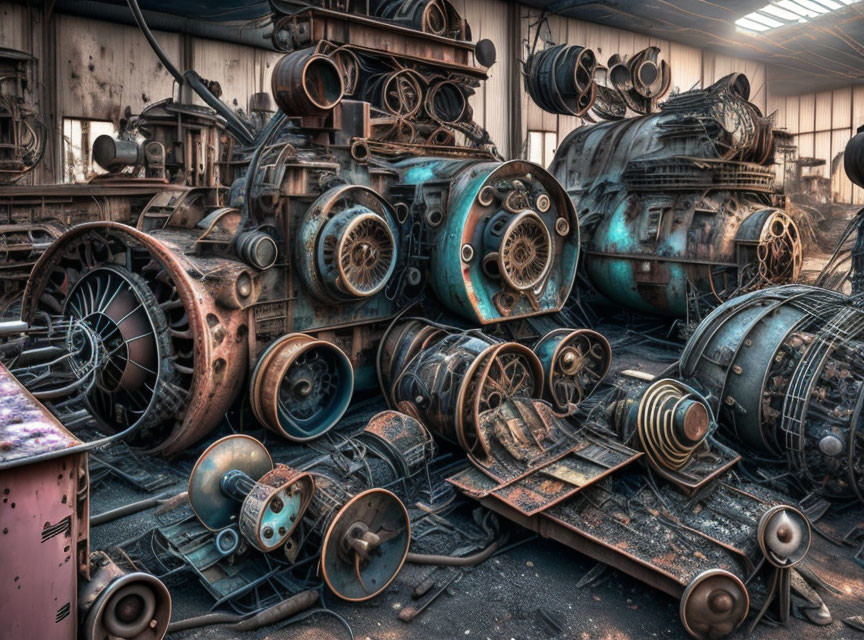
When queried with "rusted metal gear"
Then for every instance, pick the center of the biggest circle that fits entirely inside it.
(347, 244)
(525, 252)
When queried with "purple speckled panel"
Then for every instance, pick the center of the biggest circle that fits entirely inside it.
(40, 535)
(26, 427)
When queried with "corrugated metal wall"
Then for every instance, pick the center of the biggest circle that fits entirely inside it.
(823, 123)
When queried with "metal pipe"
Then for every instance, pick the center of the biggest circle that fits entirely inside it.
(455, 561)
(154, 44)
(193, 25)
(129, 509)
(233, 123)
(280, 611)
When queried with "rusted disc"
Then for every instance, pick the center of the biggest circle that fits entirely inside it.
(244, 453)
(357, 575)
(275, 506)
(301, 386)
(135, 605)
(784, 536)
(525, 253)
(714, 604)
(502, 371)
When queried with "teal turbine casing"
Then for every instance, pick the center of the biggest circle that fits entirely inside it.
(504, 237)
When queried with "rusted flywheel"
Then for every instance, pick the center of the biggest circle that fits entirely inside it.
(301, 387)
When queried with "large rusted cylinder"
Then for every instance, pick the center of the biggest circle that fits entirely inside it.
(675, 203)
(454, 378)
(174, 351)
(305, 83)
(783, 369)
(561, 79)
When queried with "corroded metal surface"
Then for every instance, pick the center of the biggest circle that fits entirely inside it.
(673, 204)
(780, 365)
(27, 428)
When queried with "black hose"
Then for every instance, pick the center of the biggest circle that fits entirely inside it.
(154, 44)
(234, 124)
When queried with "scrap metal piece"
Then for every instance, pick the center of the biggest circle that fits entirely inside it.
(23, 133)
(365, 543)
(784, 536)
(301, 387)
(117, 604)
(44, 511)
(673, 424)
(449, 383)
(561, 79)
(714, 604)
(574, 361)
(235, 481)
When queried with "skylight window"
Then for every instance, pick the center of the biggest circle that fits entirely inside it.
(785, 12)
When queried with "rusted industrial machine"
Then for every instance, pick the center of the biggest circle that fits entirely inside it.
(337, 508)
(52, 586)
(675, 206)
(330, 227)
(22, 131)
(179, 168)
(781, 367)
(576, 481)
